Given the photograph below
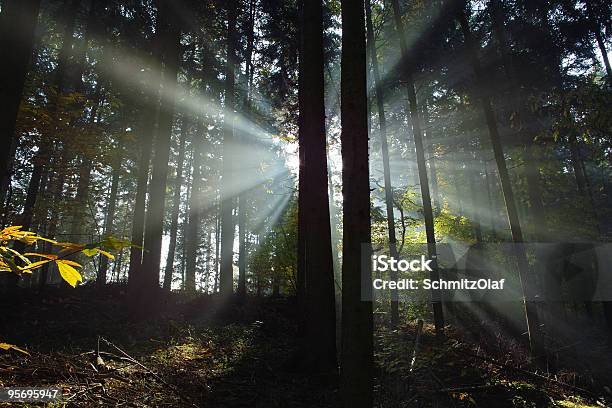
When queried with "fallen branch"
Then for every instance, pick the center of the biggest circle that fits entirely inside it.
(174, 389)
(417, 344)
(536, 375)
(470, 388)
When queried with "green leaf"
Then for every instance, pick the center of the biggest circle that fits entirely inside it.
(93, 251)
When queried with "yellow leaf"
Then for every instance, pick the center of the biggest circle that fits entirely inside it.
(69, 262)
(68, 273)
(6, 346)
(48, 240)
(108, 255)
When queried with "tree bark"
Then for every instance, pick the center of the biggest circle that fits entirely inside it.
(428, 133)
(192, 241)
(527, 285)
(243, 197)
(596, 28)
(146, 139)
(417, 134)
(110, 215)
(228, 226)
(356, 373)
(176, 202)
(318, 263)
(154, 229)
(382, 122)
(19, 20)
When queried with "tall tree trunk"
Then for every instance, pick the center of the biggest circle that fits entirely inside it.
(382, 122)
(473, 175)
(192, 241)
(146, 139)
(176, 202)
(154, 223)
(185, 225)
(318, 264)
(356, 374)
(242, 250)
(80, 202)
(428, 133)
(243, 198)
(217, 248)
(417, 135)
(227, 185)
(531, 314)
(19, 20)
(596, 28)
(110, 215)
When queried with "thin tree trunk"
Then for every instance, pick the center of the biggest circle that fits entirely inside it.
(79, 213)
(110, 215)
(473, 176)
(192, 241)
(154, 223)
(217, 249)
(227, 186)
(531, 314)
(176, 202)
(356, 373)
(242, 198)
(428, 133)
(185, 225)
(382, 122)
(146, 138)
(417, 134)
(596, 28)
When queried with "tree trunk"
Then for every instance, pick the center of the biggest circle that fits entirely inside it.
(154, 224)
(176, 202)
(527, 285)
(417, 135)
(242, 198)
(428, 133)
(382, 122)
(318, 263)
(356, 374)
(110, 215)
(146, 138)
(19, 20)
(217, 249)
(185, 225)
(596, 28)
(192, 240)
(80, 202)
(227, 199)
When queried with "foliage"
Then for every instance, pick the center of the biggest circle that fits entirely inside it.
(19, 263)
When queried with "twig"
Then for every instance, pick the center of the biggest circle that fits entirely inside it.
(469, 388)
(535, 375)
(417, 343)
(153, 373)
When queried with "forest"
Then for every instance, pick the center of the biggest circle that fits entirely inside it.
(199, 201)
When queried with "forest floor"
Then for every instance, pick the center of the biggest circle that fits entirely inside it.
(205, 353)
